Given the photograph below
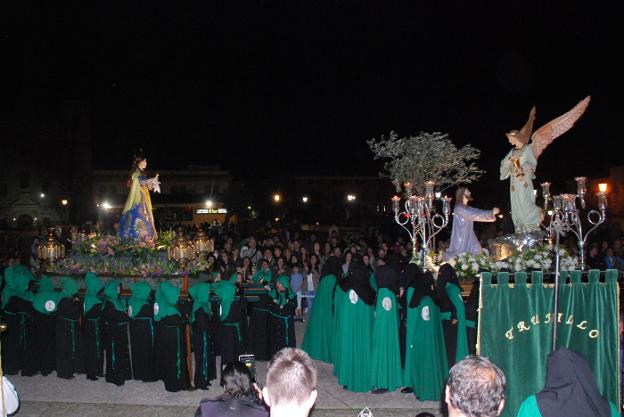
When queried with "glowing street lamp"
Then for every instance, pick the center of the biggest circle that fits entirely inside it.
(209, 203)
(277, 198)
(64, 202)
(42, 195)
(106, 205)
(351, 197)
(305, 199)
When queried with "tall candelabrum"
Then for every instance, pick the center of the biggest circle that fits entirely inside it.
(566, 217)
(566, 213)
(420, 219)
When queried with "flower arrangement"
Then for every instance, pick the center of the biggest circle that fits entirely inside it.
(467, 265)
(116, 256)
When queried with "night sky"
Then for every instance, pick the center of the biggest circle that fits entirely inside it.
(268, 90)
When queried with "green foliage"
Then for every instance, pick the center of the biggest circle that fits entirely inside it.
(428, 156)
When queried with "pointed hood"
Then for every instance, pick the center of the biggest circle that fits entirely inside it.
(166, 299)
(93, 286)
(201, 298)
(69, 288)
(139, 298)
(226, 291)
(111, 293)
(45, 300)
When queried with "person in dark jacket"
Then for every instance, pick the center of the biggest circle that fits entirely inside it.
(241, 397)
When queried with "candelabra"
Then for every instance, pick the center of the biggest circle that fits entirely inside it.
(566, 213)
(50, 251)
(566, 217)
(420, 219)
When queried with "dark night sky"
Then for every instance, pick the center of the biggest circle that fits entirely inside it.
(266, 90)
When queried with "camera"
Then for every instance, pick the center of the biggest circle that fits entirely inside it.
(249, 360)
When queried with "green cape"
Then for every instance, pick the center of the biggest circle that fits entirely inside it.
(285, 281)
(45, 294)
(140, 295)
(69, 288)
(111, 293)
(166, 299)
(353, 341)
(386, 358)
(226, 291)
(93, 285)
(454, 294)
(201, 298)
(319, 334)
(426, 365)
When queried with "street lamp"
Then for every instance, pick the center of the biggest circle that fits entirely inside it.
(209, 203)
(64, 202)
(42, 195)
(351, 197)
(106, 205)
(305, 199)
(277, 198)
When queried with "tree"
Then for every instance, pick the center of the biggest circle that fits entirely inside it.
(428, 156)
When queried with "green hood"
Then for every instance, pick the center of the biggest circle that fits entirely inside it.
(226, 291)
(201, 298)
(93, 286)
(262, 275)
(233, 278)
(69, 288)
(166, 299)
(46, 299)
(285, 281)
(111, 295)
(140, 295)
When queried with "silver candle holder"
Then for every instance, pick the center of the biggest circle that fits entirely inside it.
(420, 219)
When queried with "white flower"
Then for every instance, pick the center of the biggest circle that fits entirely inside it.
(475, 267)
(464, 267)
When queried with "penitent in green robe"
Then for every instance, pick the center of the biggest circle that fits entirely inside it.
(530, 408)
(319, 334)
(426, 365)
(353, 341)
(386, 360)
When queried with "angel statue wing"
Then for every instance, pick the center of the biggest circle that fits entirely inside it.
(546, 134)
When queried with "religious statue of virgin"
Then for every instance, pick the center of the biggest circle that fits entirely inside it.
(137, 220)
(521, 162)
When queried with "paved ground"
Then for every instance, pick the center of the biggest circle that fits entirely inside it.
(50, 396)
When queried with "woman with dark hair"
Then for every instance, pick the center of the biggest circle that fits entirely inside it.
(137, 220)
(241, 397)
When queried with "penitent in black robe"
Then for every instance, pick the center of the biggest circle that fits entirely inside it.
(116, 344)
(259, 326)
(282, 326)
(142, 340)
(205, 362)
(68, 340)
(93, 342)
(45, 337)
(170, 353)
(18, 340)
(231, 333)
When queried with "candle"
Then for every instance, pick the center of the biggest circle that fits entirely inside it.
(602, 200)
(569, 201)
(429, 189)
(557, 202)
(395, 203)
(546, 190)
(580, 186)
(446, 205)
(408, 188)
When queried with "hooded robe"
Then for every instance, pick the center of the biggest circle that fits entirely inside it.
(170, 350)
(142, 333)
(205, 362)
(45, 304)
(354, 328)
(92, 327)
(232, 316)
(319, 335)
(282, 327)
(68, 334)
(118, 368)
(385, 367)
(448, 293)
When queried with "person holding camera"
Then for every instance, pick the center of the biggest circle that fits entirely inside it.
(241, 396)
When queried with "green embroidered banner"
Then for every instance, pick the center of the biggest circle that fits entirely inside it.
(515, 328)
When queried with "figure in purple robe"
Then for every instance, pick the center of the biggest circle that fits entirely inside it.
(463, 238)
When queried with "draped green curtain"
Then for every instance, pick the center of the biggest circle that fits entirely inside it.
(515, 328)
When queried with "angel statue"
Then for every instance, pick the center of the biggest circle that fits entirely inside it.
(520, 163)
(137, 220)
